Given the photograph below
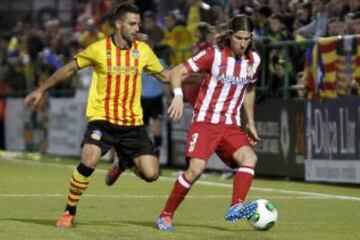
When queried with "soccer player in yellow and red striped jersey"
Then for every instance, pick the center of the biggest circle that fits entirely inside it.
(114, 110)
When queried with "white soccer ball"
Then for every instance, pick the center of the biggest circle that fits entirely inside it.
(265, 216)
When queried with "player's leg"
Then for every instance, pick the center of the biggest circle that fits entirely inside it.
(79, 182)
(180, 190)
(136, 152)
(200, 135)
(156, 111)
(157, 122)
(239, 155)
(116, 169)
(95, 143)
(146, 167)
(246, 159)
(242, 180)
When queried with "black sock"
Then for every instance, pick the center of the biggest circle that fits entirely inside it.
(84, 170)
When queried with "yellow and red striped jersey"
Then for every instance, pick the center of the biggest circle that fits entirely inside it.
(115, 90)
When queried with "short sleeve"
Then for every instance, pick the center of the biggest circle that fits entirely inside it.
(254, 68)
(201, 61)
(152, 65)
(86, 57)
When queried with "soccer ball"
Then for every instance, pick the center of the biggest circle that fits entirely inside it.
(265, 216)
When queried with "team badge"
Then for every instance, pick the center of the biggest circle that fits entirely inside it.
(96, 135)
(136, 53)
(250, 71)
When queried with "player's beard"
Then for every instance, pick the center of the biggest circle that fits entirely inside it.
(128, 38)
(240, 52)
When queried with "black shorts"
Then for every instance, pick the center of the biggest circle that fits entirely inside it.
(152, 108)
(129, 141)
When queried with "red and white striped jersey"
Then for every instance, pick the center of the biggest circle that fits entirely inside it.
(223, 89)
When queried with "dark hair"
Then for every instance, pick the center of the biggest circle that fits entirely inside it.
(277, 16)
(204, 29)
(124, 8)
(264, 10)
(239, 22)
(149, 14)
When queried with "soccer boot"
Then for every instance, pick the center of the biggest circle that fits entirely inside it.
(164, 224)
(240, 210)
(114, 172)
(66, 220)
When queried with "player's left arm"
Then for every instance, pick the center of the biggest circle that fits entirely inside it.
(249, 105)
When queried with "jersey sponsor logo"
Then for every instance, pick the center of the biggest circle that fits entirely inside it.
(236, 80)
(108, 53)
(122, 70)
(96, 135)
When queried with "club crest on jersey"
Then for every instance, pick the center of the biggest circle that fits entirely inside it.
(250, 71)
(96, 135)
(136, 53)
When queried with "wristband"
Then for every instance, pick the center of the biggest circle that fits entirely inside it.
(178, 92)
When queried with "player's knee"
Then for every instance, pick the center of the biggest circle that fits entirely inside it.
(89, 162)
(151, 176)
(252, 157)
(246, 157)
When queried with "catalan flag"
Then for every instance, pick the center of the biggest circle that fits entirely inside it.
(328, 59)
(311, 70)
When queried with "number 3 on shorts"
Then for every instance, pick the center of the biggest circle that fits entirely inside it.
(194, 139)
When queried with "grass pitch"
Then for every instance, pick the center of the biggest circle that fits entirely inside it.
(33, 193)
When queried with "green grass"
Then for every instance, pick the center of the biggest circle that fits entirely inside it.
(33, 193)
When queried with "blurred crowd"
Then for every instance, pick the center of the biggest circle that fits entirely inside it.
(31, 51)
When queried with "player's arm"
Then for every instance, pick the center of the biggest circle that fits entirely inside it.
(59, 76)
(249, 105)
(164, 75)
(177, 74)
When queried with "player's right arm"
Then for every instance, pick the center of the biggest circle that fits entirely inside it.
(176, 107)
(199, 62)
(59, 76)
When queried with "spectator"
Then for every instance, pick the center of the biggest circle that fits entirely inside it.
(300, 86)
(318, 26)
(91, 33)
(302, 15)
(277, 80)
(236, 7)
(261, 21)
(278, 31)
(151, 28)
(177, 37)
(336, 27)
(205, 34)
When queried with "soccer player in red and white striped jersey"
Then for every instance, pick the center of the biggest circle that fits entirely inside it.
(231, 68)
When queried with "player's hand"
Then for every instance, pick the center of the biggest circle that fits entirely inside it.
(32, 99)
(176, 108)
(252, 134)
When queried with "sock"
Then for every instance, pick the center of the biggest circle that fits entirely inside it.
(241, 184)
(157, 143)
(78, 184)
(177, 195)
